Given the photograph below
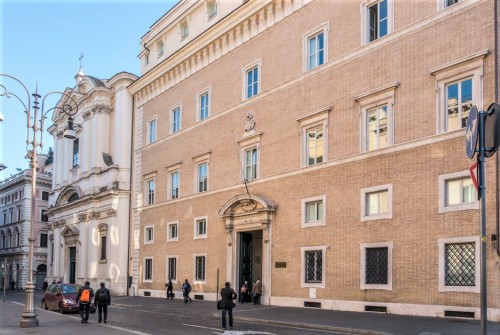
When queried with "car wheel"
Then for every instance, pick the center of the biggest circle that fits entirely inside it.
(61, 308)
(44, 305)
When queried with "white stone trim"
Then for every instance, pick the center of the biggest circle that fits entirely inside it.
(321, 222)
(443, 208)
(325, 28)
(169, 238)
(202, 282)
(303, 283)
(146, 237)
(362, 283)
(195, 227)
(381, 216)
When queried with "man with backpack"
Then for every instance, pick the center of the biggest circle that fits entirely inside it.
(186, 289)
(83, 298)
(102, 301)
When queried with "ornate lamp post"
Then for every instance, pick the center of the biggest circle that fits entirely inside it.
(33, 117)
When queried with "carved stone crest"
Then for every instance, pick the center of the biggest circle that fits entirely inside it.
(111, 212)
(248, 205)
(250, 124)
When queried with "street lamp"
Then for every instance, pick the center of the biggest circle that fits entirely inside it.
(68, 107)
(2, 166)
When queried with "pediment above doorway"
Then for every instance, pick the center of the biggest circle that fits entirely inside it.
(247, 211)
(71, 235)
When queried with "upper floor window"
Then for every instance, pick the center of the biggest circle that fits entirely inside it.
(458, 103)
(19, 214)
(44, 217)
(251, 79)
(203, 106)
(172, 231)
(200, 227)
(174, 185)
(315, 145)
(151, 131)
(160, 48)
(150, 192)
(377, 19)
(251, 157)
(146, 59)
(457, 192)
(458, 87)
(376, 203)
(43, 240)
(314, 138)
(314, 211)
(76, 149)
(315, 50)
(376, 136)
(211, 8)
(202, 177)
(176, 120)
(148, 234)
(45, 195)
(103, 249)
(184, 29)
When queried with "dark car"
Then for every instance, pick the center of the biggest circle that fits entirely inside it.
(62, 297)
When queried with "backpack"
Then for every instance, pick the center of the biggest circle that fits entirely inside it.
(102, 297)
(85, 296)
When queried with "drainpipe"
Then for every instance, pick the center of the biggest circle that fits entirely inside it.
(497, 158)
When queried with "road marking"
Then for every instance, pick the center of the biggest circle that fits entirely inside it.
(229, 332)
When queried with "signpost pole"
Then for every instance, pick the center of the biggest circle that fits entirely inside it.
(482, 190)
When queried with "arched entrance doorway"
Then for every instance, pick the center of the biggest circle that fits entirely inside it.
(41, 273)
(247, 222)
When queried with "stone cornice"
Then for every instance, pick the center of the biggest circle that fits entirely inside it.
(237, 29)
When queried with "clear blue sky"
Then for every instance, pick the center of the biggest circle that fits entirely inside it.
(41, 42)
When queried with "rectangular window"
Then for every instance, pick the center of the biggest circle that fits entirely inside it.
(378, 20)
(174, 185)
(376, 266)
(45, 196)
(377, 128)
(43, 240)
(252, 82)
(51, 252)
(315, 145)
(460, 264)
(151, 131)
(314, 266)
(172, 268)
(148, 269)
(103, 248)
(148, 235)
(451, 2)
(176, 120)
(172, 231)
(44, 217)
(203, 177)
(314, 211)
(200, 268)
(212, 9)
(200, 227)
(160, 48)
(76, 146)
(203, 113)
(184, 30)
(315, 50)
(151, 191)
(19, 214)
(458, 103)
(251, 164)
(460, 191)
(377, 202)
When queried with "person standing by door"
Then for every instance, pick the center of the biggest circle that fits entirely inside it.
(257, 289)
(102, 300)
(227, 296)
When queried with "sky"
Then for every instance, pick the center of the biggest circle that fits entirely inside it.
(41, 43)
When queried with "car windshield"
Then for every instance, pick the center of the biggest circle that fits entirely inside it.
(69, 289)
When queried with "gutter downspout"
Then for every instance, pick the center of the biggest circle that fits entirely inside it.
(130, 197)
(497, 158)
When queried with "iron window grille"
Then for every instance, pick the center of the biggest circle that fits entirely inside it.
(172, 268)
(200, 268)
(314, 263)
(460, 264)
(376, 271)
(148, 271)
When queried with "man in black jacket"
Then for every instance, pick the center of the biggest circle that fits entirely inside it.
(102, 301)
(227, 296)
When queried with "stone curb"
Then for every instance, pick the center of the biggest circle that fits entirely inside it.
(308, 326)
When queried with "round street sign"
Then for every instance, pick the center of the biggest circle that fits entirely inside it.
(471, 133)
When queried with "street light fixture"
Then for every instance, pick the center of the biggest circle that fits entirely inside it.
(70, 108)
(2, 166)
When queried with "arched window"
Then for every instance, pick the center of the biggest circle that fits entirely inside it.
(74, 197)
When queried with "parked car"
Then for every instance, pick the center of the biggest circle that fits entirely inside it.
(62, 298)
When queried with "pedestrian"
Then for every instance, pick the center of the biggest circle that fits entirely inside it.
(244, 292)
(53, 281)
(186, 288)
(83, 298)
(257, 290)
(45, 285)
(170, 289)
(12, 285)
(227, 296)
(102, 301)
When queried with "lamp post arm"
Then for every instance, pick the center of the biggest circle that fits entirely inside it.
(66, 109)
(5, 93)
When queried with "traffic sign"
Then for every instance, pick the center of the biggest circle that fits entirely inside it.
(471, 133)
(492, 129)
